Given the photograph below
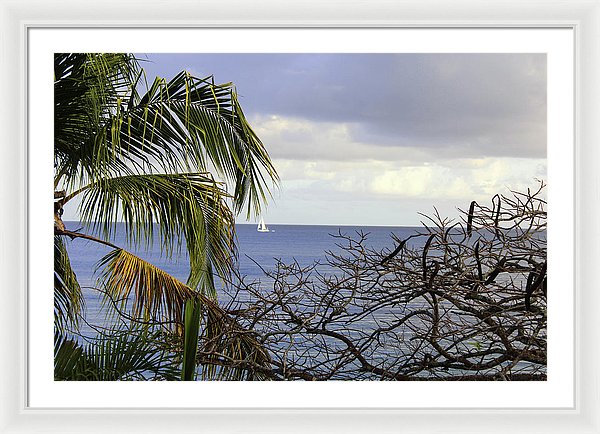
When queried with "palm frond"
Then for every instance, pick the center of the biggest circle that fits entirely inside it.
(185, 124)
(190, 124)
(182, 207)
(68, 359)
(154, 294)
(121, 353)
(68, 299)
(88, 89)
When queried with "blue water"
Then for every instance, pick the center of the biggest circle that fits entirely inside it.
(304, 245)
(300, 243)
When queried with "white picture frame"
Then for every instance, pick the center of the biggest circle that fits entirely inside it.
(17, 18)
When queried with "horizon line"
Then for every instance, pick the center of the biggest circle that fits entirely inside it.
(299, 224)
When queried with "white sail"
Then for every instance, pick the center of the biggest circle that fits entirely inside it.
(262, 227)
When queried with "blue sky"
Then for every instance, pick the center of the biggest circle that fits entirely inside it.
(374, 139)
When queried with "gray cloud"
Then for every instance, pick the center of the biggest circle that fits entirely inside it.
(456, 104)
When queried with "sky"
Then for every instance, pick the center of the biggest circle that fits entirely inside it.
(375, 139)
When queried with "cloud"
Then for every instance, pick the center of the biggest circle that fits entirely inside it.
(474, 104)
(387, 193)
(306, 140)
(376, 179)
(374, 138)
(479, 179)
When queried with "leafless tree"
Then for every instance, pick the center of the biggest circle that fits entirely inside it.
(457, 300)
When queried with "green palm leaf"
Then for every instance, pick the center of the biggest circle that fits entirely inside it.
(87, 88)
(182, 207)
(121, 353)
(104, 127)
(191, 124)
(67, 359)
(68, 299)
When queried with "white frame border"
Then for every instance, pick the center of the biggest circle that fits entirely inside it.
(557, 392)
(16, 17)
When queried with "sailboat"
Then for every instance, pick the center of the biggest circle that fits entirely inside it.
(262, 227)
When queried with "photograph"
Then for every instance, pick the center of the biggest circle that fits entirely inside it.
(300, 216)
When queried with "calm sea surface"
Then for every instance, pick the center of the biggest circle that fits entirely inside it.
(288, 243)
(304, 244)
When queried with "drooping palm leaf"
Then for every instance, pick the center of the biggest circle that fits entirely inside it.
(190, 206)
(155, 294)
(68, 299)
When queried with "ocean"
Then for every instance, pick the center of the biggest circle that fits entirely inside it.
(304, 244)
